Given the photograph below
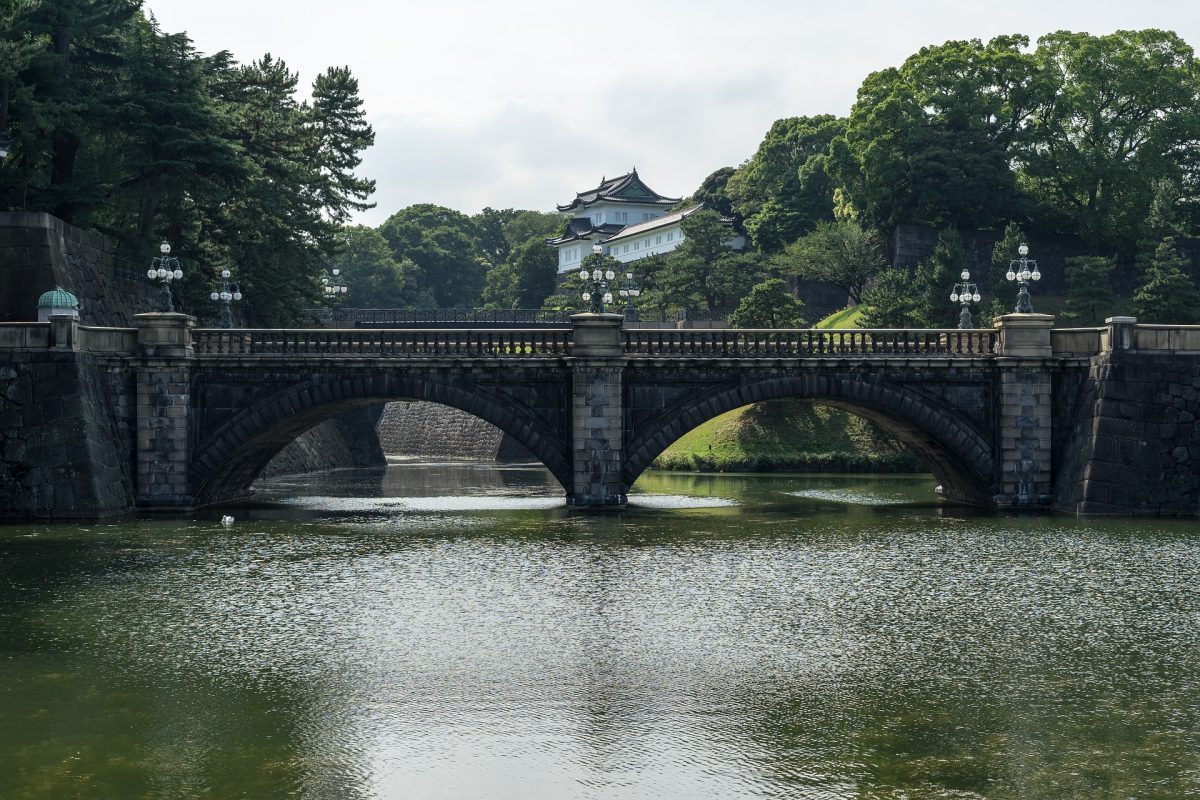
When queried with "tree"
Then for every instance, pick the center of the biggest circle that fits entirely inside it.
(340, 133)
(890, 302)
(702, 274)
(443, 245)
(1089, 297)
(769, 305)
(935, 280)
(1167, 295)
(526, 279)
(783, 190)
(842, 253)
(1004, 252)
(374, 278)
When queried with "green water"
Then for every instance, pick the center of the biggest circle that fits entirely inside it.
(450, 632)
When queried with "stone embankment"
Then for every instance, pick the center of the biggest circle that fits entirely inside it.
(431, 430)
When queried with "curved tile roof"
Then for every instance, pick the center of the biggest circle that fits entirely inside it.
(627, 188)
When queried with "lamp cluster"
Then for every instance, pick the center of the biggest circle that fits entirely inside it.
(227, 291)
(1023, 270)
(965, 293)
(595, 284)
(166, 269)
(333, 285)
(630, 291)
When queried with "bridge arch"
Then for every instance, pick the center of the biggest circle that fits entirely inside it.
(955, 451)
(227, 460)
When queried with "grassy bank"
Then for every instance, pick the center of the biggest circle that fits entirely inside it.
(788, 435)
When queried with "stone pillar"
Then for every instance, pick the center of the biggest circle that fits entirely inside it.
(1025, 371)
(1121, 332)
(164, 367)
(597, 361)
(64, 331)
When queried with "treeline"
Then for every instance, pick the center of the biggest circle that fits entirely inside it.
(116, 125)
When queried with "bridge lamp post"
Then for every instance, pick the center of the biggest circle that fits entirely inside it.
(630, 291)
(965, 293)
(166, 269)
(334, 288)
(224, 295)
(595, 282)
(1023, 270)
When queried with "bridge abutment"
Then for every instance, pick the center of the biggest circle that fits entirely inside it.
(597, 414)
(1026, 388)
(164, 349)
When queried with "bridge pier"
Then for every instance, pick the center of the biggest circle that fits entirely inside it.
(1024, 442)
(597, 424)
(165, 357)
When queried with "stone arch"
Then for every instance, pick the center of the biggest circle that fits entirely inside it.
(227, 461)
(953, 449)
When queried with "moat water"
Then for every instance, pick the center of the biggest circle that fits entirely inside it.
(449, 631)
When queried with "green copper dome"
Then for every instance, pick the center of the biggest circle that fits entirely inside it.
(58, 298)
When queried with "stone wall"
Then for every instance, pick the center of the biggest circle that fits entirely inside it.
(1135, 444)
(432, 430)
(347, 440)
(39, 252)
(66, 442)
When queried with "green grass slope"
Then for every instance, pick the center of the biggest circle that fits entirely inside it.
(846, 318)
(788, 435)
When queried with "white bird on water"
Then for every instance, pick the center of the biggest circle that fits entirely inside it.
(227, 521)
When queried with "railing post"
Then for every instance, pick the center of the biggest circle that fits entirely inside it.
(1122, 333)
(597, 455)
(164, 395)
(1025, 370)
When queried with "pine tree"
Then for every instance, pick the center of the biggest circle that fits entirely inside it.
(769, 305)
(890, 302)
(1003, 291)
(340, 134)
(1089, 298)
(1167, 295)
(935, 280)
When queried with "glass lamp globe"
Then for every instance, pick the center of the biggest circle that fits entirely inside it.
(966, 276)
(628, 276)
(164, 248)
(608, 297)
(1026, 275)
(954, 297)
(213, 296)
(584, 274)
(237, 295)
(345, 289)
(224, 273)
(635, 292)
(587, 295)
(226, 296)
(152, 273)
(597, 249)
(1012, 276)
(609, 275)
(178, 274)
(1023, 249)
(975, 297)
(597, 274)
(336, 272)
(624, 293)
(161, 273)
(1036, 275)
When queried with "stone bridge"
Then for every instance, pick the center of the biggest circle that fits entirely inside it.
(164, 415)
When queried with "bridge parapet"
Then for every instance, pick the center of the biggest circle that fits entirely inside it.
(810, 342)
(522, 343)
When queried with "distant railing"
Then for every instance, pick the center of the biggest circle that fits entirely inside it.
(746, 343)
(513, 343)
(439, 318)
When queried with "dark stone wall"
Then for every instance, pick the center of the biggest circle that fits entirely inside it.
(1134, 443)
(66, 442)
(347, 440)
(413, 428)
(38, 252)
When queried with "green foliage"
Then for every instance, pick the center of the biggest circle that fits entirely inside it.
(702, 274)
(783, 190)
(714, 193)
(443, 246)
(1089, 297)
(1004, 291)
(1167, 295)
(370, 271)
(501, 231)
(849, 317)
(525, 279)
(842, 253)
(890, 302)
(935, 280)
(769, 305)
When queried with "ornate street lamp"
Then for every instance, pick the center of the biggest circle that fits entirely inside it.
(595, 282)
(334, 288)
(166, 269)
(965, 293)
(1023, 270)
(227, 291)
(630, 291)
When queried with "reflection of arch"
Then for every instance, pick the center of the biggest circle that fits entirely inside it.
(958, 455)
(228, 461)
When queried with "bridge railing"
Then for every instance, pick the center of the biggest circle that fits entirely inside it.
(513, 343)
(804, 342)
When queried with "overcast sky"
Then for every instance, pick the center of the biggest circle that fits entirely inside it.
(521, 103)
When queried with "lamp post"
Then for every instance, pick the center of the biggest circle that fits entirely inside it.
(965, 293)
(334, 288)
(595, 281)
(227, 291)
(629, 291)
(1019, 270)
(166, 269)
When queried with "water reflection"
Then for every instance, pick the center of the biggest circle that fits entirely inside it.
(728, 636)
